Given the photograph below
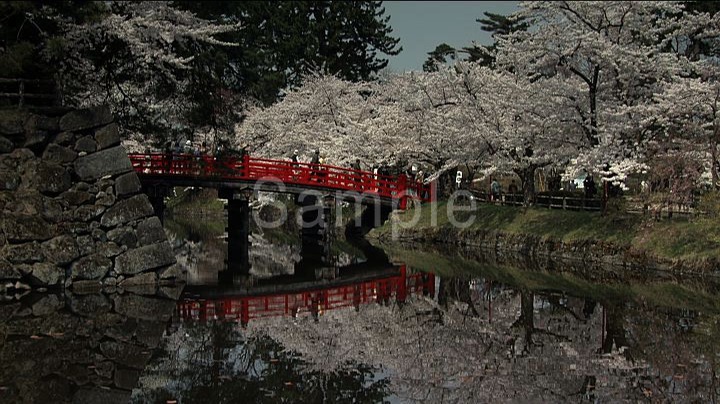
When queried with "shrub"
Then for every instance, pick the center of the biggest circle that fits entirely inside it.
(710, 204)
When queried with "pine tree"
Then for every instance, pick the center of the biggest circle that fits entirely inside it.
(496, 24)
(281, 42)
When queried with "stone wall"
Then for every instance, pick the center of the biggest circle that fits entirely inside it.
(72, 209)
(79, 348)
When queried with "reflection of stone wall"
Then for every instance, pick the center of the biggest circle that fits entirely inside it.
(72, 211)
(78, 348)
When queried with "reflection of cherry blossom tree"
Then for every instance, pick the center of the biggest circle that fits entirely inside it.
(214, 362)
(433, 353)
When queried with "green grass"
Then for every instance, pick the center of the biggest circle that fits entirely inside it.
(203, 229)
(282, 236)
(341, 245)
(670, 239)
(681, 239)
(203, 202)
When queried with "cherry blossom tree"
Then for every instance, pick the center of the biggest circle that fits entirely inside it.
(592, 85)
(614, 50)
(466, 114)
(428, 117)
(523, 124)
(401, 118)
(130, 58)
(689, 113)
(326, 113)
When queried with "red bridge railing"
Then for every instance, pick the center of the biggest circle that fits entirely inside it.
(306, 175)
(313, 302)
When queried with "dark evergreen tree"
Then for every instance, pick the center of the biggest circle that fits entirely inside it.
(707, 47)
(495, 23)
(26, 28)
(440, 55)
(282, 41)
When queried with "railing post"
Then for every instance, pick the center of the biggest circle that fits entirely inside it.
(245, 171)
(244, 312)
(402, 190)
(402, 284)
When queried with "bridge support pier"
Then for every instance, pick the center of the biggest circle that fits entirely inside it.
(317, 228)
(371, 217)
(156, 195)
(238, 236)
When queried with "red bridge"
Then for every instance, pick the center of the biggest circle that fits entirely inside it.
(278, 176)
(313, 302)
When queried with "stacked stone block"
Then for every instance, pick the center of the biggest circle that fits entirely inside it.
(73, 213)
(79, 348)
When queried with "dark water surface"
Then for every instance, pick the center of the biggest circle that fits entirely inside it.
(401, 324)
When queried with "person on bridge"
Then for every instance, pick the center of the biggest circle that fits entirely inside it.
(322, 170)
(295, 159)
(314, 163)
(356, 166)
(188, 149)
(167, 159)
(316, 157)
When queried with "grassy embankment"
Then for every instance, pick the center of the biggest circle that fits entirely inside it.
(678, 238)
(195, 202)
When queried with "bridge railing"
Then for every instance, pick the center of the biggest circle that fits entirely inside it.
(309, 175)
(245, 308)
(28, 92)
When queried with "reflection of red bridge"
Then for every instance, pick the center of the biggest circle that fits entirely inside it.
(309, 302)
(276, 176)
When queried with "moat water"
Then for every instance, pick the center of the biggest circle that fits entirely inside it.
(363, 324)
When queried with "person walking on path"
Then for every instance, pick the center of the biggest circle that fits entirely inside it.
(495, 190)
(512, 190)
(589, 185)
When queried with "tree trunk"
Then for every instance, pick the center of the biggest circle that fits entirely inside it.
(527, 180)
(456, 289)
(594, 139)
(470, 175)
(525, 320)
(715, 164)
(615, 330)
(446, 184)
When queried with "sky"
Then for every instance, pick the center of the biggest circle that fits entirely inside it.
(422, 25)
